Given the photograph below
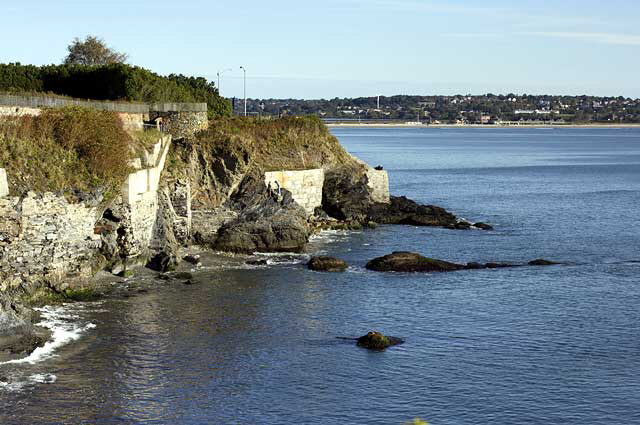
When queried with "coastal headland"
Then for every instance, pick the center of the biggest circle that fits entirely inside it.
(102, 187)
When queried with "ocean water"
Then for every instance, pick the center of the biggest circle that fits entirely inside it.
(257, 344)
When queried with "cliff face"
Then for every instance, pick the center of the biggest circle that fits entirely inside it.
(232, 208)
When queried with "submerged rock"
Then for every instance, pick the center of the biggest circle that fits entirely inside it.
(376, 341)
(483, 226)
(542, 262)
(498, 265)
(401, 261)
(182, 275)
(192, 259)
(327, 264)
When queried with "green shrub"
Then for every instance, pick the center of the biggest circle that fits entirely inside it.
(112, 82)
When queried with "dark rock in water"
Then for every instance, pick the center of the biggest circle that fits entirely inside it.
(372, 225)
(483, 226)
(402, 210)
(346, 195)
(542, 262)
(182, 275)
(265, 223)
(411, 262)
(474, 266)
(4, 379)
(193, 259)
(162, 262)
(188, 282)
(327, 264)
(376, 341)
(23, 344)
(257, 262)
(126, 273)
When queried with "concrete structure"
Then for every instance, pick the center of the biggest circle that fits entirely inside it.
(140, 199)
(378, 182)
(305, 186)
(4, 186)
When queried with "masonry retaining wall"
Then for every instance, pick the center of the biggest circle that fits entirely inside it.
(305, 186)
(44, 235)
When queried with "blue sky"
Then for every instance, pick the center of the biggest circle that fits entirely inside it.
(348, 48)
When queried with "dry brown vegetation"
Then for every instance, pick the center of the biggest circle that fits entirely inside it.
(65, 150)
(290, 143)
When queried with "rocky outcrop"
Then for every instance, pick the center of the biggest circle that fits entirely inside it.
(266, 222)
(376, 341)
(326, 264)
(401, 261)
(346, 195)
(402, 210)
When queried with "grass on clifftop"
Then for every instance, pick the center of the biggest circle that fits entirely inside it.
(64, 150)
(289, 143)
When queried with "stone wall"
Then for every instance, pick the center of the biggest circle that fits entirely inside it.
(133, 121)
(44, 237)
(378, 182)
(4, 187)
(305, 186)
(17, 111)
(182, 124)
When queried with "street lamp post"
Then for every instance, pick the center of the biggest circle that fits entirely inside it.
(245, 89)
(219, 73)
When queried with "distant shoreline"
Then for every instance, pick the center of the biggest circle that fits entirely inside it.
(400, 125)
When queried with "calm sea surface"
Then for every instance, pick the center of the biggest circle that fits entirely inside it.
(552, 345)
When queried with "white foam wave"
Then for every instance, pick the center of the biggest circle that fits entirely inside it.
(64, 329)
(16, 385)
(43, 378)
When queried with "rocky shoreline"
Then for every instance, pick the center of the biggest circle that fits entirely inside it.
(212, 194)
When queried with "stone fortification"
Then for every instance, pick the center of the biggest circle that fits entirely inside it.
(18, 111)
(178, 119)
(139, 207)
(182, 124)
(305, 186)
(46, 237)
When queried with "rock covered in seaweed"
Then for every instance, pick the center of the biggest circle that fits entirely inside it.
(327, 264)
(401, 261)
(374, 340)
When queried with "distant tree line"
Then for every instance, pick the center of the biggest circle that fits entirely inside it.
(112, 81)
(488, 108)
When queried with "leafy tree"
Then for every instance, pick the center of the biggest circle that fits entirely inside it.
(92, 51)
